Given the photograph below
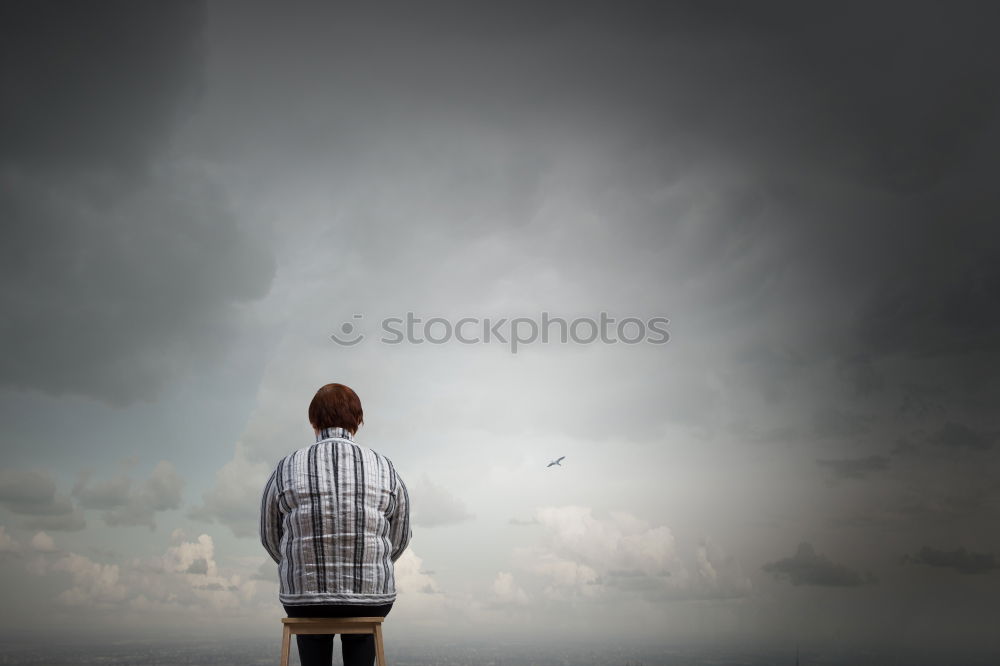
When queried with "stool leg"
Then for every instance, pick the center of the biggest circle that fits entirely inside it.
(286, 644)
(379, 649)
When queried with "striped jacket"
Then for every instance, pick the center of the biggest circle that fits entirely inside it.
(335, 516)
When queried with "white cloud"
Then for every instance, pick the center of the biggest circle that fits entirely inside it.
(585, 556)
(506, 591)
(720, 571)
(43, 543)
(93, 584)
(185, 582)
(192, 557)
(410, 577)
(620, 541)
(423, 606)
(564, 577)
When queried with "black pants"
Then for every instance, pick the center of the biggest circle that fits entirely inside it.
(317, 649)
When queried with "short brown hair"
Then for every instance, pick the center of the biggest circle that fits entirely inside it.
(336, 406)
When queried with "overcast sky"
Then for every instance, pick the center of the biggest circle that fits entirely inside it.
(195, 198)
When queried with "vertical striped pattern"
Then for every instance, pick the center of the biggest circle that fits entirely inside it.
(335, 516)
(399, 530)
(317, 521)
(359, 517)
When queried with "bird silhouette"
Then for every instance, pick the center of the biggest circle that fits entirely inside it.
(556, 462)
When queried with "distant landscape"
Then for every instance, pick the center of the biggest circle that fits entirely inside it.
(266, 652)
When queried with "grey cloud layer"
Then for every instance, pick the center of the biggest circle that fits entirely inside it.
(960, 560)
(848, 164)
(32, 496)
(125, 505)
(122, 270)
(807, 567)
(856, 468)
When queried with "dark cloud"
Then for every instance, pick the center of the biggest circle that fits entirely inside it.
(831, 422)
(949, 315)
(26, 486)
(99, 87)
(807, 567)
(104, 495)
(904, 448)
(121, 270)
(55, 504)
(922, 400)
(961, 560)
(861, 373)
(751, 167)
(936, 495)
(958, 436)
(874, 159)
(199, 566)
(855, 468)
(64, 517)
(910, 108)
(32, 495)
(942, 478)
(127, 506)
(894, 114)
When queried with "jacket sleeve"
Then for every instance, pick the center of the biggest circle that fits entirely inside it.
(400, 532)
(270, 519)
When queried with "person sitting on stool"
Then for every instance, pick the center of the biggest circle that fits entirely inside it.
(335, 517)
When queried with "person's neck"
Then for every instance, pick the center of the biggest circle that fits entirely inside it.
(333, 433)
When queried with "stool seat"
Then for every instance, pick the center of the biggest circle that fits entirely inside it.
(332, 625)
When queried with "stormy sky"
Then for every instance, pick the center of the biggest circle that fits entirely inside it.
(196, 197)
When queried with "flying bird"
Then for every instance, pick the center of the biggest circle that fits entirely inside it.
(556, 462)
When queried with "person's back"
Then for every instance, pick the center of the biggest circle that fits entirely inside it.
(335, 517)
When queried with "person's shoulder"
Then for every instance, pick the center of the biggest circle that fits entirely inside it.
(380, 457)
(297, 453)
(344, 443)
(391, 466)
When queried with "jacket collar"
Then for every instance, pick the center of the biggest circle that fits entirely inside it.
(334, 433)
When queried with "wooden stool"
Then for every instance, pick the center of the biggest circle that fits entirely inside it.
(332, 625)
